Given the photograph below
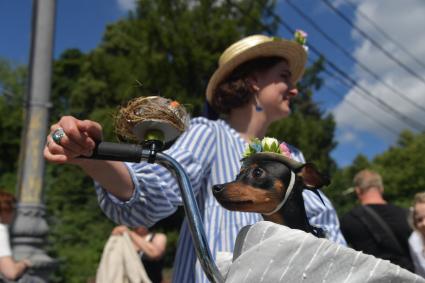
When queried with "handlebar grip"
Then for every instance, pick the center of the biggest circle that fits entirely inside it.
(118, 152)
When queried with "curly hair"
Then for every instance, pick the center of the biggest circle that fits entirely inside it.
(235, 91)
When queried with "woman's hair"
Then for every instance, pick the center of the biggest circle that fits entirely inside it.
(7, 202)
(235, 91)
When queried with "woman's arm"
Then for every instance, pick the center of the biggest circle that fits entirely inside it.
(12, 269)
(155, 249)
(157, 194)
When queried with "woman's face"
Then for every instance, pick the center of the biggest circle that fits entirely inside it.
(419, 217)
(6, 216)
(275, 90)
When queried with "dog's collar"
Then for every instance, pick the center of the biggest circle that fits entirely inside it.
(288, 192)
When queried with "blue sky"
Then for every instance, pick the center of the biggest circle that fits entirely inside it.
(364, 125)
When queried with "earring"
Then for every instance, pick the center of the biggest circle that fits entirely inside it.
(258, 108)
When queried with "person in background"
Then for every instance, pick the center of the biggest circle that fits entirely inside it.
(377, 227)
(9, 268)
(151, 248)
(251, 88)
(417, 238)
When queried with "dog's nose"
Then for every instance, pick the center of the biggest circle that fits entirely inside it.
(218, 188)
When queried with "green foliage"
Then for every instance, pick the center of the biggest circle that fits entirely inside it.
(78, 229)
(401, 168)
(12, 81)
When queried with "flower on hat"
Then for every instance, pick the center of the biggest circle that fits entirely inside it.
(300, 37)
(267, 144)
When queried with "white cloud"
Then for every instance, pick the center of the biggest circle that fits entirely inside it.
(350, 136)
(126, 5)
(404, 22)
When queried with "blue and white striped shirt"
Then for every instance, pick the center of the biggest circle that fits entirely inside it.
(210, 152)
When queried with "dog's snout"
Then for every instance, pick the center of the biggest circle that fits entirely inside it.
(218, 188)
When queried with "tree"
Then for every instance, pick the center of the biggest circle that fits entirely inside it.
(12, 89)
(402, 168)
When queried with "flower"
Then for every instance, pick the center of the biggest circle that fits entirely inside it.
(252, 148)
(300, 37)
(285, 150)
(270, 145)
(267, 144)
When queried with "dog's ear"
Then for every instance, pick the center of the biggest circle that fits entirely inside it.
(311, 177)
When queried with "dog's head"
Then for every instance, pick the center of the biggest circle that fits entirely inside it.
(263, 181)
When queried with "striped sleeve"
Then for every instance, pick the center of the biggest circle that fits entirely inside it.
(323, 216)
(157, 194)
(319, 214)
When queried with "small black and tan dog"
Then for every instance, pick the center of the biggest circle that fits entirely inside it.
(272, 184)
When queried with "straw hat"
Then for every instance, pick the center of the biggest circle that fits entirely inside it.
(255, 46)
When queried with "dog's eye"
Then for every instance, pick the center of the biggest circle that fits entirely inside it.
(257, 172)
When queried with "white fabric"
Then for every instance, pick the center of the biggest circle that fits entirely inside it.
(416, 247)
(120, 262)
(4, 241)
(276, 253)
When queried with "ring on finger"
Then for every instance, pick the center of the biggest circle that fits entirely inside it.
(57, 135)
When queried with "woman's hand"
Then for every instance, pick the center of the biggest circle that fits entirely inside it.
(73, 138)
(119, 230)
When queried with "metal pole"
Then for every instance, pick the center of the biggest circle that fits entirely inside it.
(193, 216)
(30, 228)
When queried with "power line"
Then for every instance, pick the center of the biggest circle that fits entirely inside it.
(338, 94)
(348, 54)
(386, 127)
(371, 40)
(412, 123)
(386, 35)
(334, 76)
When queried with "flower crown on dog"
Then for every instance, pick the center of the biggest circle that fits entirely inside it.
(267, 144)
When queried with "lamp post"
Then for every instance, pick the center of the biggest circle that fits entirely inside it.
(30, 228)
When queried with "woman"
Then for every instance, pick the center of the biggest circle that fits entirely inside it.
(9, 268)
(151, 248)
(251, 88)
(416, 240)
